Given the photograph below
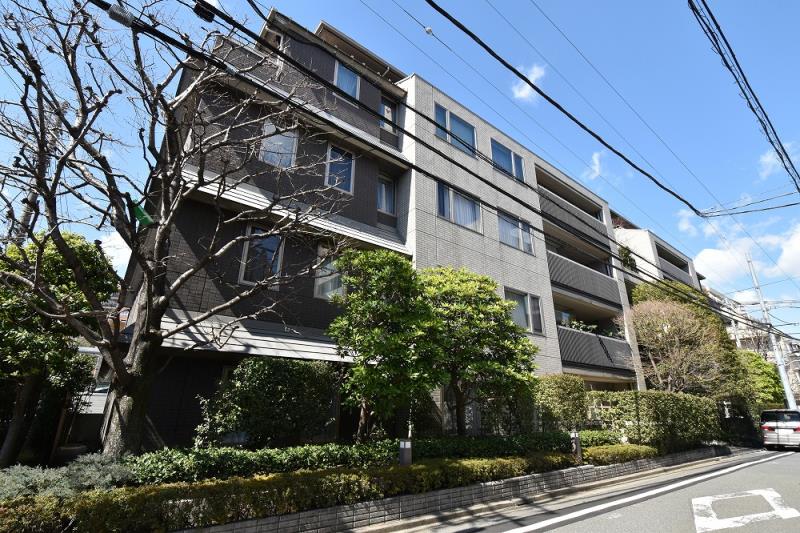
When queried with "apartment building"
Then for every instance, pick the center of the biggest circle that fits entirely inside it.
(546, 239)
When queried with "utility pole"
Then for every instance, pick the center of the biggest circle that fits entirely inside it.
(773, 340)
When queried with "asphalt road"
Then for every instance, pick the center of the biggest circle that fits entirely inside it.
(759, 493)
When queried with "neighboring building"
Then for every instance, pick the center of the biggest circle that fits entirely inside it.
(570, 294)
(739, 324)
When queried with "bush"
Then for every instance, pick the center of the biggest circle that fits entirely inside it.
(599, 437)
(184, 505)
(562, 399)
(85, 473)
(617, 453)
(270, 401)
(669, 421)
(171, 465)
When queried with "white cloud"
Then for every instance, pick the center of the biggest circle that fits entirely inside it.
(725, 265)
(116, 249)
(769, 163)
(746, 296)
(596, 168)
(788, 262)
(523, 91)
(686, 223)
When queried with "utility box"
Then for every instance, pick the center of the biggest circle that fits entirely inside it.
(405, 452)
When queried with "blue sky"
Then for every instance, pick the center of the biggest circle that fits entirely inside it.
(655, 54)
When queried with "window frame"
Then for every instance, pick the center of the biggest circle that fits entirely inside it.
(521, 226)
(294, 132)
(393, 212)
(357, 96)
(529, 309)
(446, 136)
(246, 253)
(514, 157)
(321, 254)
(526, 300)
(330, 147)
(450, 192)
(382, 123)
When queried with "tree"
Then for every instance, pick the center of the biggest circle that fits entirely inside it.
(478, 347)
(118, 133)
(763, 377)
(272, 402)
(680, 353)
(563, 400)
(36, 352)
(384, 328)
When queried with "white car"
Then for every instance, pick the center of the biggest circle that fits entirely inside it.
(780, 427)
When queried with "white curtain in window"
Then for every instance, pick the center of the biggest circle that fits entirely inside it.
(527, 238)
(509, 231)
(347, 80)
(520, 313)
(466, 212)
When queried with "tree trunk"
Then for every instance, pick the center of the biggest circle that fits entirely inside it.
(27, 397)
(363, 423)
(461, 408)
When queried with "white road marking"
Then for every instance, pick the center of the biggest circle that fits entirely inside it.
(641, 496)
(705, 519)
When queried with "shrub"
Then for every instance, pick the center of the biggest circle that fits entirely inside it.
(599, 437)
(183, 505)
(669, 421)
(617, 453)
(85, 473)
(270, 401)
(170, 465)
(562, 399)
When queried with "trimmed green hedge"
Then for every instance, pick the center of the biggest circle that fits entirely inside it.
(599, 437)
(183, 505)
(617, 453)
(669, 421)
(172, 465)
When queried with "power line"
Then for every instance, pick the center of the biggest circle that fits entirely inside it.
(719, 42)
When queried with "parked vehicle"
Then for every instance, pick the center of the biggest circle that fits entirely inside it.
(780, 427)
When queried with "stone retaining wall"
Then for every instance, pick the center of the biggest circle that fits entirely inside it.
(347, 517)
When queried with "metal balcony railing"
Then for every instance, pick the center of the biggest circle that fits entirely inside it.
(572, 275)
(589, 349)
(571, 215)
(674, 272)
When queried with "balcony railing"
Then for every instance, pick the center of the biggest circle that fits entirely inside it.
(675, 272)
(571, 215)
(588, 349)
(572, 275)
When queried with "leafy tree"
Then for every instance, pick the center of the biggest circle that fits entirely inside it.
(37, 352)
(478, 347)
(563, 400)
(763, 376)
(384, 328)
(272, 401)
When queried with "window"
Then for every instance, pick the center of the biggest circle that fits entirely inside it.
(507, 161)
(528, 313)
(261, 258)
(461, 134)
(339, 172)
(458, 208)
(389, 113)
(386, 195)
(514, 232)
(347, 80)
(328, 280)
(278, 149)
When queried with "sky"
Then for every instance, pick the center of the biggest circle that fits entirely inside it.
(658, 59)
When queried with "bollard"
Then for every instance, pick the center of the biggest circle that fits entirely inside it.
(405, 452)
(576, 446)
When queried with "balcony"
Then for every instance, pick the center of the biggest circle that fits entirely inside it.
(676, 273)
(588, 349)
(583, 280)
(571, 215)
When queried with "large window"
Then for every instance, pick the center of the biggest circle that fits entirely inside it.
(514, 232)
(389, 113)
(386, 195)
(461, 133)
(507, 161)
(528, 313)
(328, 280)
(339, 171)
(261, 258)
(458, 208)
(278, 149)
(347, 80)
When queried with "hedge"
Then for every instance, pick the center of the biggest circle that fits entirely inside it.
(172, 465)
(669, 421)
(599, 437)
(617, 453)
(183, 505)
